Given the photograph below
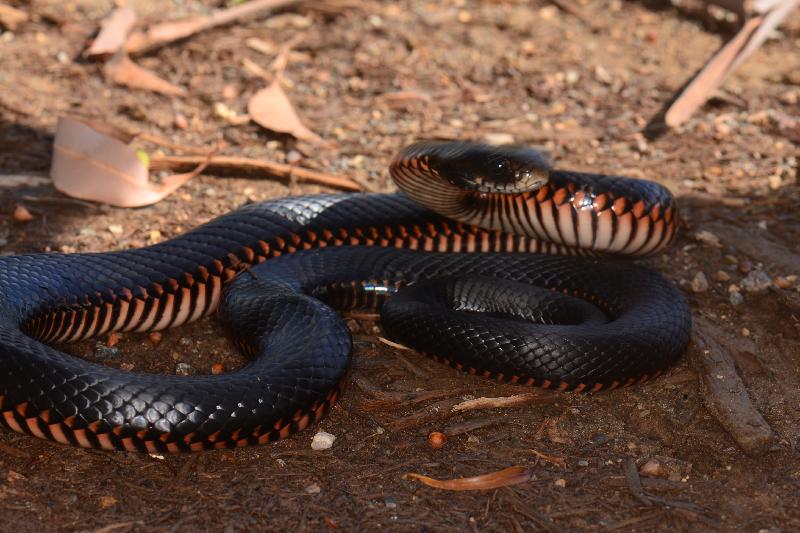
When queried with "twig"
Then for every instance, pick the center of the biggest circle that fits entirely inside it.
(13, 452)
(634, 483)
(726, 395)
(506, 401)
(528, 512)
(439, 410)
(385, 400)
(554, 460)
(256, 167)
(414, 369)
(467, 426)
(167, 32)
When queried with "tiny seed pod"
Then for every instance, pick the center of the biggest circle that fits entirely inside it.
(437, 439)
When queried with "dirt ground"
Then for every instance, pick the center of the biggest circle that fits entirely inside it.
(370, 77)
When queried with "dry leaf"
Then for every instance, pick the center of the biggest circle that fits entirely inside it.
(513, 475)
(125, 72)
(271, 108)
(114, 30)
(167, 32)
(11, 18)
(91, 164)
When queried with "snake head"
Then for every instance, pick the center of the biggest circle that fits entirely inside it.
(483, 168)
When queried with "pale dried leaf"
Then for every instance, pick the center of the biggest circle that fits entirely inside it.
(513, 475)
(271, 108)
(11, 18)
(92, 165)
(114, 30)
(125, 72)
(167, 32)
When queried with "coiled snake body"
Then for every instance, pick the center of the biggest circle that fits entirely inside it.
(553, 321)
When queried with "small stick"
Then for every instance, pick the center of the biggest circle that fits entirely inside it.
(506, 401)
(243, 165)
(726, 397)
(469, 425)
(439, 410)
(634, 483)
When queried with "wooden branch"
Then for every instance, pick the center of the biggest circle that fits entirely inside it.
(255, 167)
(726, 395)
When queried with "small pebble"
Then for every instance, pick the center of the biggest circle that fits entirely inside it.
(127, 367)
(785, 282)
(736, 298)
(155, 338)
(313, 489)
(652, 468)
(437, 439)
(561, 483)
(699, 283)
(721, 275)
(115, 229)
(706, 237)
(756, 281)
(184, 369)
(21, 214)
(745, 332)
(217, 369)
(583, 462)
(745, 266)
(322, 441)
(181, 122)
(293, 157)
(390, 502)
(102, 351)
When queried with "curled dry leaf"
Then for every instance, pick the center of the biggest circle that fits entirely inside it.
(91, 163)
(167, 32)
(123, 71)
(513, 475)
(271, 108)
(114, 30)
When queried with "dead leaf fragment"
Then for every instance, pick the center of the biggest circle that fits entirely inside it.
(513, 475)
(271, 109)
(91, 164)
(21, 214)
(11, 18)
(123, 71)
(114, 30)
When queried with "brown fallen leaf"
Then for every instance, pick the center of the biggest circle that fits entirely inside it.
(114, 30)
(11, 18)
(513, 475)
(271, 109)
(166, 32)
(123, 71)
(91, 163)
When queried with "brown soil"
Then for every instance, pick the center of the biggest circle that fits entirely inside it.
(582, 88)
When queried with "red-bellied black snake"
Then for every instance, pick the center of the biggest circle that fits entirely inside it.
(559, 321)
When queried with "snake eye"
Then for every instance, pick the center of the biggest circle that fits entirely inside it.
(502, 169)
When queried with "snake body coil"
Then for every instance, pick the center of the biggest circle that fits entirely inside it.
(554, 321)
